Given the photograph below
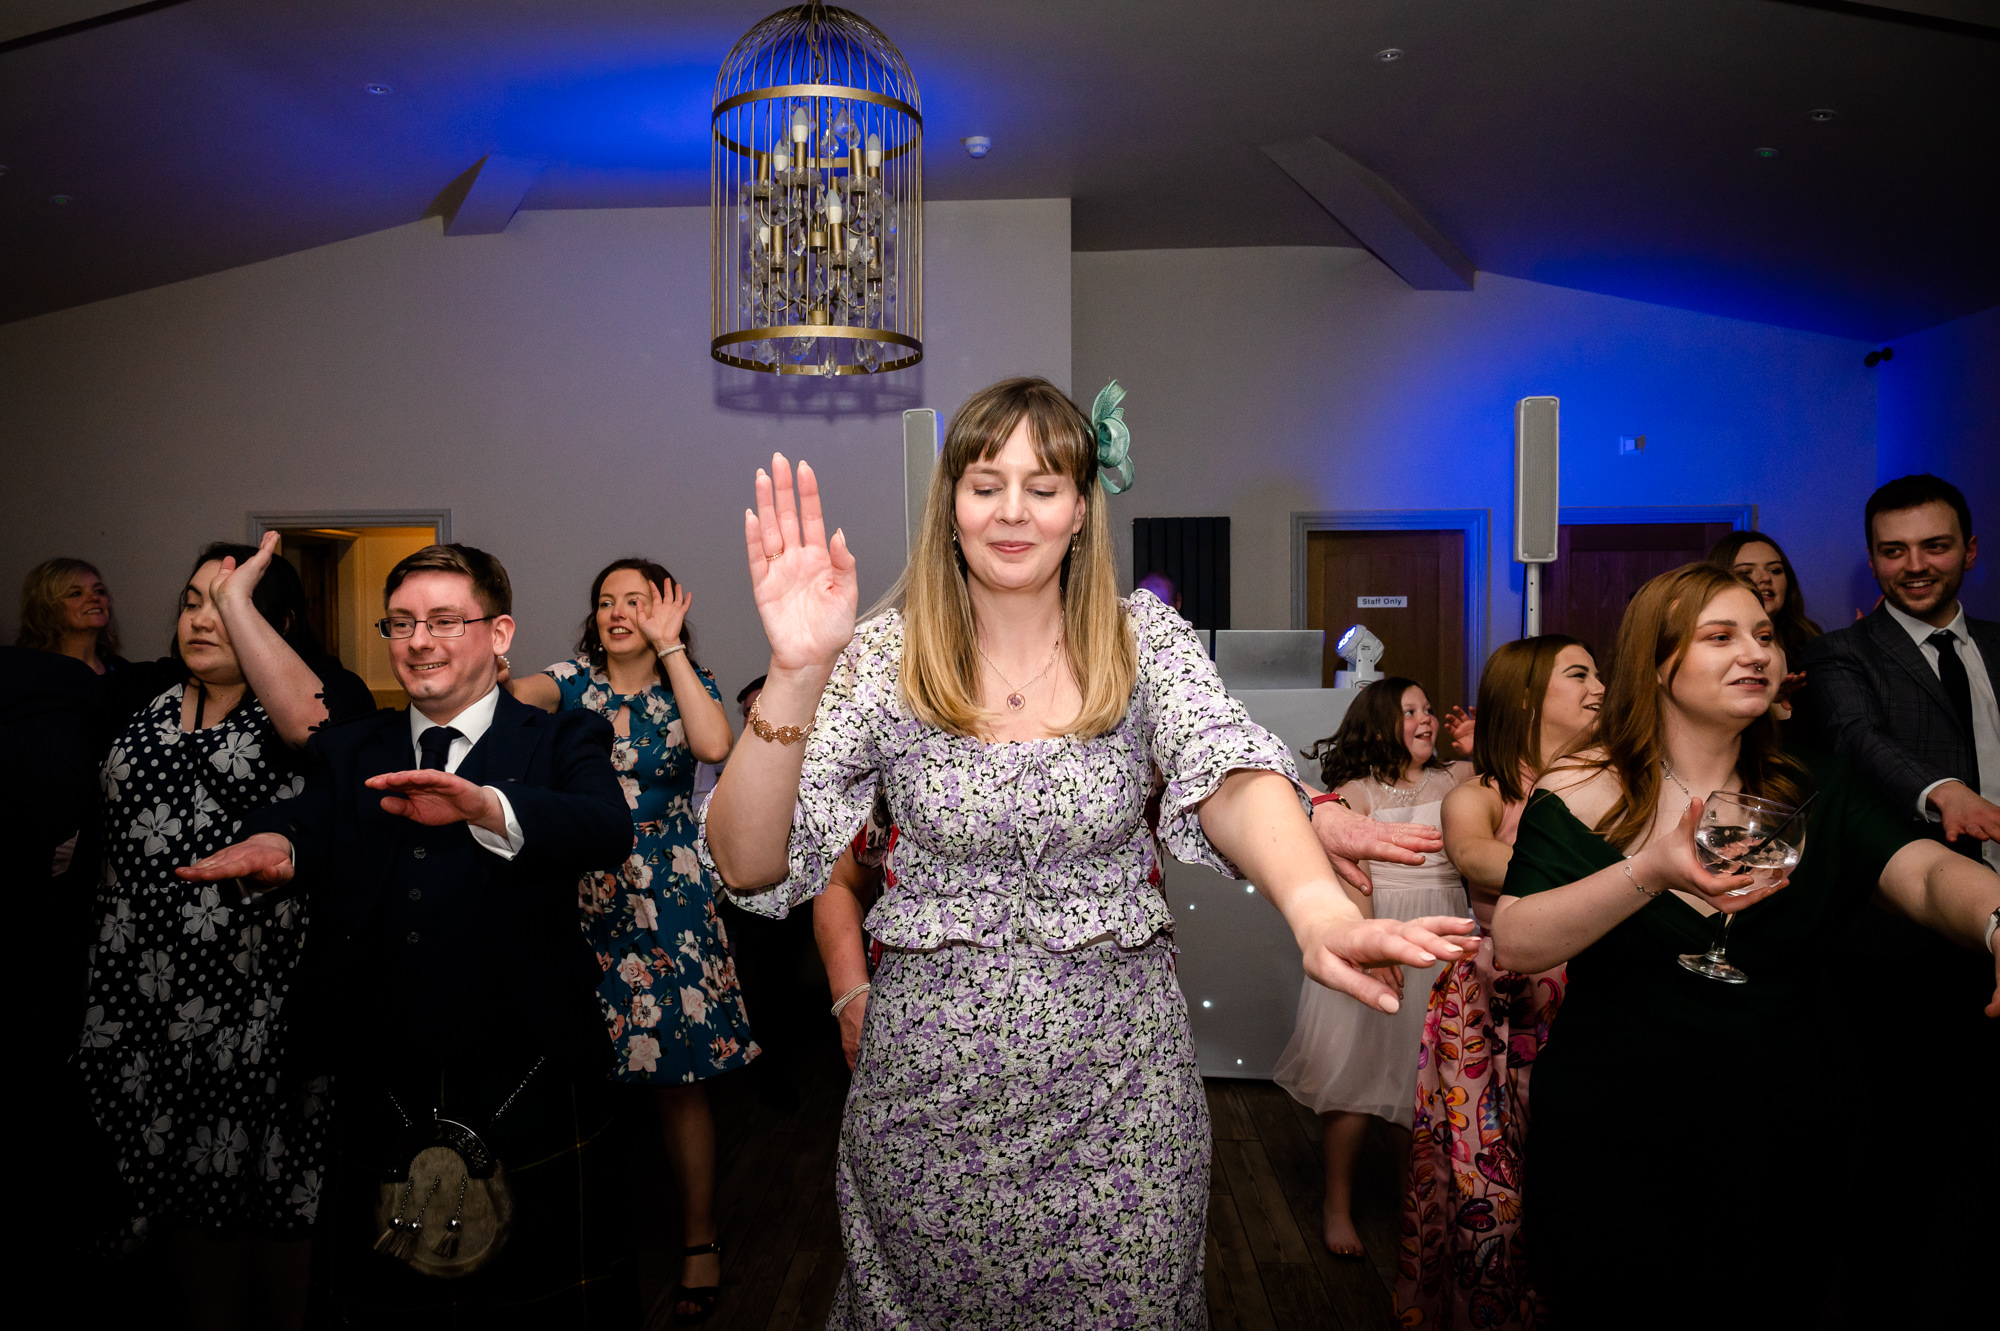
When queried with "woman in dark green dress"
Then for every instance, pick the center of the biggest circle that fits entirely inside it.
(1686, 1129)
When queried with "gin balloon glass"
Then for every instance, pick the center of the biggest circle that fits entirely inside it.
(1742, 834)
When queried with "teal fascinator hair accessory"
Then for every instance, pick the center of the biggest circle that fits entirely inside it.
(1114, 440)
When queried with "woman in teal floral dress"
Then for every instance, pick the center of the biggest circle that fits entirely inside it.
(669, 990)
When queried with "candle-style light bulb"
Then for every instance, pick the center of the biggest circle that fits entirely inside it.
(873, 156)
(801, 125)
(780, 160)
(834, 212)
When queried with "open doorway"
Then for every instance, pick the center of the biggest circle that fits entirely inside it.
(343, 559)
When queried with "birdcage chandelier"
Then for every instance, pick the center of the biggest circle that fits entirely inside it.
(816, 199)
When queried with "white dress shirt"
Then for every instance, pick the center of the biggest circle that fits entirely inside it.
(1985, 713)
(470, 724)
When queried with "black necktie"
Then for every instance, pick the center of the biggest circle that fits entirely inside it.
(1951, 673)
(436, 743)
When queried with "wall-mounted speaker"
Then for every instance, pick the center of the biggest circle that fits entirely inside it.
(1536, 476)
(920, 449)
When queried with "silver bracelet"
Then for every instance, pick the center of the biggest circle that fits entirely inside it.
(1650, 892)
(840, 1004)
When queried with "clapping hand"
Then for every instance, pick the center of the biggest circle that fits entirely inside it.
(435, 798)
(663, 615)
(804, 584)
(232, 585)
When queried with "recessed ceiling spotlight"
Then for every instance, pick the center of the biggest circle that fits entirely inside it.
(1389, 55)
(1822, 115)
(978, 145)
(379, 89)
(1767, 152)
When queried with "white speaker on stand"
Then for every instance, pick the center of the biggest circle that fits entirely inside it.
(1537, 477)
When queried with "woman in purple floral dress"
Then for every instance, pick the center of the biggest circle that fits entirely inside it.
(1026, 1140)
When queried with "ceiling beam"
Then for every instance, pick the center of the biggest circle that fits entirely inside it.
(484, 198)
(31, 22)
(1380, 218)
(1961, 18)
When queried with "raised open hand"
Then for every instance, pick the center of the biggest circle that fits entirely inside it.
(231, 587)
(435, 798)
(1459, 724)
(664, 613)
(804, 584)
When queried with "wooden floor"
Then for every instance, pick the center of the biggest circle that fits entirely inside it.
(1266, 1267)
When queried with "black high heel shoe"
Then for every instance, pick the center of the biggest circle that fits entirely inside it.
(703, 1297)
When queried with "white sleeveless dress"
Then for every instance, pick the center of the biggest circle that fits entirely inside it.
(1343, 1055)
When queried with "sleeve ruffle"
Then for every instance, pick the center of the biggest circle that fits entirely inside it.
(1196, 733)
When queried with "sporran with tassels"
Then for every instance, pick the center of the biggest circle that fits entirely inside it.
(448, 1212)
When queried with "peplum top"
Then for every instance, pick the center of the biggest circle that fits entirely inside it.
(1040, 842)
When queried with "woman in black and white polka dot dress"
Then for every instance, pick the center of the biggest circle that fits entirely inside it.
(183, 1043)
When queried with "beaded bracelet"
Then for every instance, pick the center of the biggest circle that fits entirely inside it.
(771, 734)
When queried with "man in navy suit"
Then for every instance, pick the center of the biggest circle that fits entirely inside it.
(442, 846)
(1908, 694)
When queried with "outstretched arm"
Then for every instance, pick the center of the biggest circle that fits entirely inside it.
(1254, 818)
(1948, 894)
(1852, 723)
(805, 589)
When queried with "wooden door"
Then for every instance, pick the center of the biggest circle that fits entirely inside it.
(1408, 588)
(1600, 565)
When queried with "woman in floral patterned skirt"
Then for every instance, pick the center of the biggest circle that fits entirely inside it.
(669, 990)
(1026, 1141)
(1463, 1261)
(221, 1142)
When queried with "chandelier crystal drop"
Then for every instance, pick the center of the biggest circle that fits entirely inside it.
(816, 199)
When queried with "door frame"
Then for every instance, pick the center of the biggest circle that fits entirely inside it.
(438, 519)
(1473, 524)
(1740, 517)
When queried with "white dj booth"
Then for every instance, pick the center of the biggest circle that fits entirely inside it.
(1238, 964)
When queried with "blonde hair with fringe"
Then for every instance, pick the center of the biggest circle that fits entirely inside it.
(940, 666)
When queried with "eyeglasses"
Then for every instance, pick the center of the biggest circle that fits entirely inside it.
(441, 626)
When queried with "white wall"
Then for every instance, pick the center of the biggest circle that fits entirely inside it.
(1267, 381)
(551, 386)
(1941, 414)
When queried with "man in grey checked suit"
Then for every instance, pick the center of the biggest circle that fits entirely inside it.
(1908, 693)
(1915, 712)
